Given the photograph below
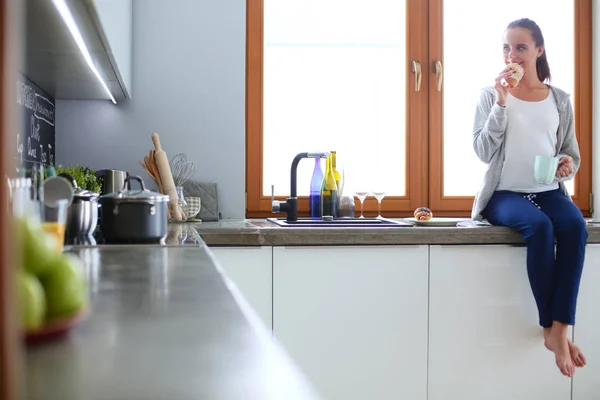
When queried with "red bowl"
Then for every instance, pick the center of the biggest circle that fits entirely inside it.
(55, 328)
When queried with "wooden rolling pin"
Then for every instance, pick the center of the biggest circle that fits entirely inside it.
(164, 169)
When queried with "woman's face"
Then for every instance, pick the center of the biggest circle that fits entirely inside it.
(519, 47)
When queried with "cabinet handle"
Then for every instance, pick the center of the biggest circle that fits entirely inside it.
(416, 69)
(439, 74)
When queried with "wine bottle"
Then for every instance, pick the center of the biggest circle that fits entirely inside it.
(338, 180)
(329, 192)
(316, 183)
(336, 173)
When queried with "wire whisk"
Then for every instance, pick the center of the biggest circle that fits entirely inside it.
(182, 169)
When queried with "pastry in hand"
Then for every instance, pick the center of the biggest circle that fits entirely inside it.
(516, 74)
(423, 214)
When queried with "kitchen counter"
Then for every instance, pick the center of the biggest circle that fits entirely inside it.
(260, 232)
(178, 234)
(165, 324)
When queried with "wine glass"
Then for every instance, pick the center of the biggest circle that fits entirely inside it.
(361, 196)
(379, 196)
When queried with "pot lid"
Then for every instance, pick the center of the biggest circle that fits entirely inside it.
(142, 194)
(81, 194)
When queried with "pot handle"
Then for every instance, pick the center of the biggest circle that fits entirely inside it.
(70, 178)
(135, 178)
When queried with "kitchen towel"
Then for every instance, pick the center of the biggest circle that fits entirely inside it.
(207, 192)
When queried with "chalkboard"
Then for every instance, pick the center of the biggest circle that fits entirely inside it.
(35, 127)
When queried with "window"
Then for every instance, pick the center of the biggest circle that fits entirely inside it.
(344, 75)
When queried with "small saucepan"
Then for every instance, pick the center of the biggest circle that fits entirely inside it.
(82, 214)
(134, 215)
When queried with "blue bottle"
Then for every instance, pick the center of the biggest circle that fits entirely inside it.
(315, 190)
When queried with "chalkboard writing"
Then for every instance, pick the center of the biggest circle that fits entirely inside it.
(35, 128)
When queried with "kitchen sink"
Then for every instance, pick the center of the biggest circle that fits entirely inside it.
(339, 222)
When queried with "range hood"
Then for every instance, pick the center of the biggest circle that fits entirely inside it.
(53, 61)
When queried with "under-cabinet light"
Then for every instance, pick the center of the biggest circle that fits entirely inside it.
(66, 15)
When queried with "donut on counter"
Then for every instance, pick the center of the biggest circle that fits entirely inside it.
(423, 214)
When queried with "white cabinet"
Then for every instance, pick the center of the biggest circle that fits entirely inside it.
(484, 337)
(586, 382)
(354, 318)
(53, 60)
(250, 268)
(116, 18)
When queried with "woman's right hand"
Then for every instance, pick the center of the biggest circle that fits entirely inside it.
(502, 90)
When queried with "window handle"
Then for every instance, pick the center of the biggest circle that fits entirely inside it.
(416, 69)
(439, 75)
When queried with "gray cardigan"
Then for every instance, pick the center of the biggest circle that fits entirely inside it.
(488, 141)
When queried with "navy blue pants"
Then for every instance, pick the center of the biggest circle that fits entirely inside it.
(541, 218)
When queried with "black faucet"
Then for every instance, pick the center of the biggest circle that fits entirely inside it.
(290, 205)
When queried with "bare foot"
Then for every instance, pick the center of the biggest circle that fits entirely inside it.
(558, 342)
(576, 355)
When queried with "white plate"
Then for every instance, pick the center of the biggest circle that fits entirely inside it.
(440, 221)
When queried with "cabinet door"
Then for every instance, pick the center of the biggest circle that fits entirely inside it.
(116, 18)
(586, 383)
(251, 269)
(354, 318)
(484, 337)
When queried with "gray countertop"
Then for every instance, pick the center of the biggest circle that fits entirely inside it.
(164, 324)
(259, 232)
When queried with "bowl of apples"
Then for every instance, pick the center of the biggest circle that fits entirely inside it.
(51, 285)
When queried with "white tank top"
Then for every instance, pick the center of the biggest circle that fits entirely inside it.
(531, 131)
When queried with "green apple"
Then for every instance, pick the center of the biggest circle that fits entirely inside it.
(40, 249)
(65, 286)
(32, 301)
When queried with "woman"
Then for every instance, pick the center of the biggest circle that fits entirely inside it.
(512, 127)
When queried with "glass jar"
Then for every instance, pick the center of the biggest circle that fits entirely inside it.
(346, 206)
(19, 190)
(183, 206)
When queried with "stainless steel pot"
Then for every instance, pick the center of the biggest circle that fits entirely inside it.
(134, 215)
(82, 214)
(112, 180)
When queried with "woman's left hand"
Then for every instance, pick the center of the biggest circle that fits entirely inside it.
(565, 167)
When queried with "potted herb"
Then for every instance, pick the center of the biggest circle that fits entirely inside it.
(85, 177)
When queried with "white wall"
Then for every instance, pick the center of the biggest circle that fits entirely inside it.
(189, 86)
